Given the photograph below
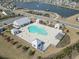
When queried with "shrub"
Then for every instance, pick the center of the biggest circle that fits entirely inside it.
(15, 42)
(25, 48)
(31, 52)
(39, 57)
(19, 46)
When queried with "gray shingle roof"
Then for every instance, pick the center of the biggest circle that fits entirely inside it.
(59, 36)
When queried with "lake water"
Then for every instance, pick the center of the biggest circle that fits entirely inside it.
(65, 12)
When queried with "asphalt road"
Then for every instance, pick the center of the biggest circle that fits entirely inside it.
(8, 21)
(68, 24)
(65, 23)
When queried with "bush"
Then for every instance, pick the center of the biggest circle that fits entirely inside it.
(2, 57)
(19, 46)
(78, 33)
(31, 52)
(39, 57)
(68, 50)
(15, 42)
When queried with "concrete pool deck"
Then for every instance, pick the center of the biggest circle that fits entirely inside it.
(48, 39)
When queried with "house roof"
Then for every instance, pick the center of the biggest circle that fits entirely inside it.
(59, 36)
(58, 24)
(21, 21)
(37, 42)
(8, 12)
(14, 30)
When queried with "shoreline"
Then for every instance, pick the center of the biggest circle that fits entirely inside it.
(70, 8)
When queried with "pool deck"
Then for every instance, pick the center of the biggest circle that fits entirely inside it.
(30, 37)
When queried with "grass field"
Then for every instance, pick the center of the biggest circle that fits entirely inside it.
(72, 19)
(7, 49)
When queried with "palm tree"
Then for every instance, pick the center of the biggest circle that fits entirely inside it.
(19, 46)
(14, 43)
(12, 40)
(31, 52)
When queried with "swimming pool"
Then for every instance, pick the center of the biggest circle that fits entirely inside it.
(37, 29)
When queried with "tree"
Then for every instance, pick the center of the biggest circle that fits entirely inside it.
(14, 43)
(19, 46)
(67, 31)
(25, 48)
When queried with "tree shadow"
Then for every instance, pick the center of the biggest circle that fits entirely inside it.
(64, 41)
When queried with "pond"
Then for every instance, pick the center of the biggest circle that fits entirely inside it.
(65, 12)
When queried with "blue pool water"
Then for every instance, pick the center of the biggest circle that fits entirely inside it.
(38, 30)
(65, 12)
